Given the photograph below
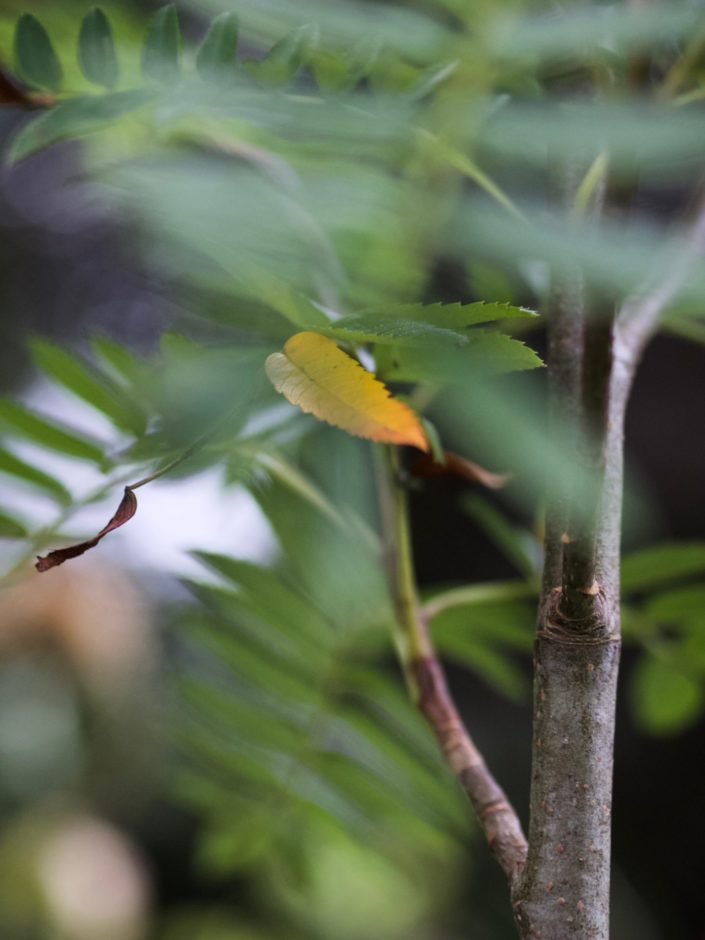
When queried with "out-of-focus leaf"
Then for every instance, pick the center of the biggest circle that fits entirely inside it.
(162, 47)
(331, 71)
(678, 605)
(97, 390)
(35, 58)
(73, 119)
(373, 329)
(463, 164)
(665, 700)
(216, 57)
(269, 594)
(486, 353)
(122, 362)
(11, 528)
(31, 475)
(96, 49)
(392, 75)
(456, 316)
(652, 567)
(476, 636)
(656, 139)
(617, 256)
(579, 34)
(688, 327)
(436, 453)
(288, 55)
(48, 433)
(252, 663)
(292, 477)
(123, 514)
(516, 544)
(477, 594)
(313, 373)
(432, 77)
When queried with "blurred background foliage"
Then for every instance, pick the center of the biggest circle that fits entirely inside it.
(218, 744)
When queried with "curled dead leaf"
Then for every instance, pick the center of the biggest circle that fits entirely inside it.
(123, 514)
(455, 465)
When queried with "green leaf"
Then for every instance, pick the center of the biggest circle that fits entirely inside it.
(486, 353)
(11, 528)
(33, 477)
(36, 61)
(665, 700)
(288, 55)
(688, 327)
(48, 433)
(74, 118)
(474, 635)
(268, 594)
(463, 164)
(679, 605)
(516, 544)
(162, 47)
(434, 440)
(88, 384)
(390, 330)
(215, 59)
(492, 667)
(117, 358)
(430, 78)
(331, 71)
(660, 564)
(96, 49)
(456, 316)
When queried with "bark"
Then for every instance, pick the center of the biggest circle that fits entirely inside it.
(428, 686)
(563, 891)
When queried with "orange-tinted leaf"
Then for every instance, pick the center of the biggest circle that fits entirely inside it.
(313, 373)
(123, 514)
(454, 465)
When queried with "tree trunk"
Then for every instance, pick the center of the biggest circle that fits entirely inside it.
(564, 888)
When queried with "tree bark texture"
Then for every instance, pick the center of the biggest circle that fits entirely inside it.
(564, 888)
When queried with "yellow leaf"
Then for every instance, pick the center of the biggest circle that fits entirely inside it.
(313, 373)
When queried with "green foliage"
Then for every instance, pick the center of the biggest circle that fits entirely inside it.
(96, 49)
(88, 384)
(292, 713)
(50, 434)
(668, 621)
(665, 699)
(216, 55)
(11, 528)
(35, 58)
(162, 47)
(662, 564)
(33, 476)
(73, 119)
(287, 56)
(486, 353)
(327, 186)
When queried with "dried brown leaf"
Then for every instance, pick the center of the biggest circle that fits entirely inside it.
(455, 465)
(123, 514)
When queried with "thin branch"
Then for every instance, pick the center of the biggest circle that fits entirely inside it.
(171, 464)
(640, 315)
(476, 594)
(429, 687)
